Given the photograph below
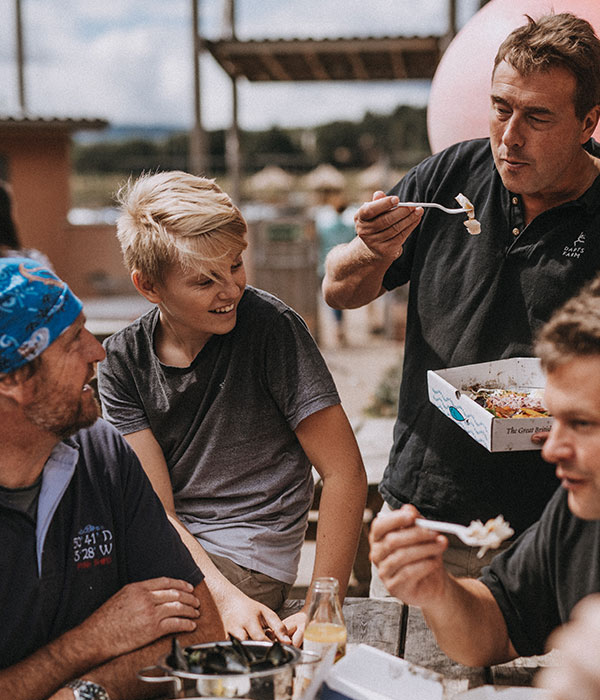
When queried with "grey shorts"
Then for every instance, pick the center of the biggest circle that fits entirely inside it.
(255, 585)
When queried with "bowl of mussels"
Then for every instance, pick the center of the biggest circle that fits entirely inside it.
(230, 669)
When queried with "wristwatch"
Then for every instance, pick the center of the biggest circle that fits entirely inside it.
(87, 690)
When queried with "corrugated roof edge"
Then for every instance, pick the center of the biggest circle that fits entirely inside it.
(66, 123)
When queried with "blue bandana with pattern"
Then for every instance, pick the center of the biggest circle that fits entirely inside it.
(35, 308)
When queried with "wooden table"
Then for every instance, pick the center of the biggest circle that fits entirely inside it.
(421, 649)
(373, 621)
(388, 625)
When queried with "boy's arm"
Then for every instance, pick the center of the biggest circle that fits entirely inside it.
(242, 616)
(328, 441)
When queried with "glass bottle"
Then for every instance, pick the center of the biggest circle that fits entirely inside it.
(325, 627)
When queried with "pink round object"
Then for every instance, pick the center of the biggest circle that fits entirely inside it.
(460, 92)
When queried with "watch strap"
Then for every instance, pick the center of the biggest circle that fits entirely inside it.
(87, 690)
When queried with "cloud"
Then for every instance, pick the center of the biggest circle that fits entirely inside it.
(132, 62)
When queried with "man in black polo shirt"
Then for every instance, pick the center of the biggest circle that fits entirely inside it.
(530, 589)
(474, 298)
(85, 602)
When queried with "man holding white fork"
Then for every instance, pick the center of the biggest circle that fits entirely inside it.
(529, 590)
(474, 298)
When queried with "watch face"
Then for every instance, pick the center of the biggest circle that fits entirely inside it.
(87, 690)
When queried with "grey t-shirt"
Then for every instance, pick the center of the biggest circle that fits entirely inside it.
(241, 481)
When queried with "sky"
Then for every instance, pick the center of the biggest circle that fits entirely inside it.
(131, 61)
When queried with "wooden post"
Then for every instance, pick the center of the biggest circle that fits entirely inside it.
(198, 157)
(20, 57)
(233, 150)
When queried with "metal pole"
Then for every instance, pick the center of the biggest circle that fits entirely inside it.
(20, 57)
(233, 150)
(452, 24)
(197, 143)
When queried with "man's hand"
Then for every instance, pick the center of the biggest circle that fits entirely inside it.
(248, 619)
(540, 438)
(577, 676)
(408, 558)
(384, 227)
(142, 612)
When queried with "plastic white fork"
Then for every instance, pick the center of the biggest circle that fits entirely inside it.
(461, 531)
(488, 536)
(460, 210)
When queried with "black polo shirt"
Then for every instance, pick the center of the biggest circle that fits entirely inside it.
(538, 581)
(474, 299)
(99, 526)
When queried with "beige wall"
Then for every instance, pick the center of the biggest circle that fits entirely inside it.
(38, 170)
(87, 257)
(92, 262)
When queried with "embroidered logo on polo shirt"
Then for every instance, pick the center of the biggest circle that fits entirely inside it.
(92, 546)
(577, 249)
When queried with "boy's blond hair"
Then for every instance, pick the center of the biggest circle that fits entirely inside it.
(176, 218)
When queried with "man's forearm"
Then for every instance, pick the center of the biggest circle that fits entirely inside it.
(119, 676)
(468, 625)
(353, 275)
(89, 646)
(67, 657)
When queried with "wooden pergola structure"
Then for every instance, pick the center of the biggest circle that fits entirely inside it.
(308, 60)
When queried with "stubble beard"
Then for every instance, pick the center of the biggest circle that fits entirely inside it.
(61, 419)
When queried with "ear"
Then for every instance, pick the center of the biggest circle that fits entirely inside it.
(589, 124)
(145, 287)
(11, 385)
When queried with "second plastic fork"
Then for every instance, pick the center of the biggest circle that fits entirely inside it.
(452, 528)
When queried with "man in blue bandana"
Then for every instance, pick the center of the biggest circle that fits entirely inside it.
(84, 600)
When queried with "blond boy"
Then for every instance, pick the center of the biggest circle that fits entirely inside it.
(223, 394)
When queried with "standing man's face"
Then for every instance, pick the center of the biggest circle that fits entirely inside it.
(573, 399)
(536, 137)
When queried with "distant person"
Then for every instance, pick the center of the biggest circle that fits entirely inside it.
(530, 589)
(334, 225)
(10, 244)
(94, 578)
(225, 397)
(474, 298)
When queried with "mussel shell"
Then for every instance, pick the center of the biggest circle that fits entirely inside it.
(221, 658)
(244, 651)
(277, 655)
(177, 659)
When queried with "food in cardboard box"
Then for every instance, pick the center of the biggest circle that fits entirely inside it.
(509, 403)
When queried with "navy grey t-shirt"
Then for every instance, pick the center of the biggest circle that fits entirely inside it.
(99, 526)
(241, 481)
(475, 299)
(538, 581)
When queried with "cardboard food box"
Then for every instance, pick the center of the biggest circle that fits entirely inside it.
(366, 673)
(446, 387)
(490, 692)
